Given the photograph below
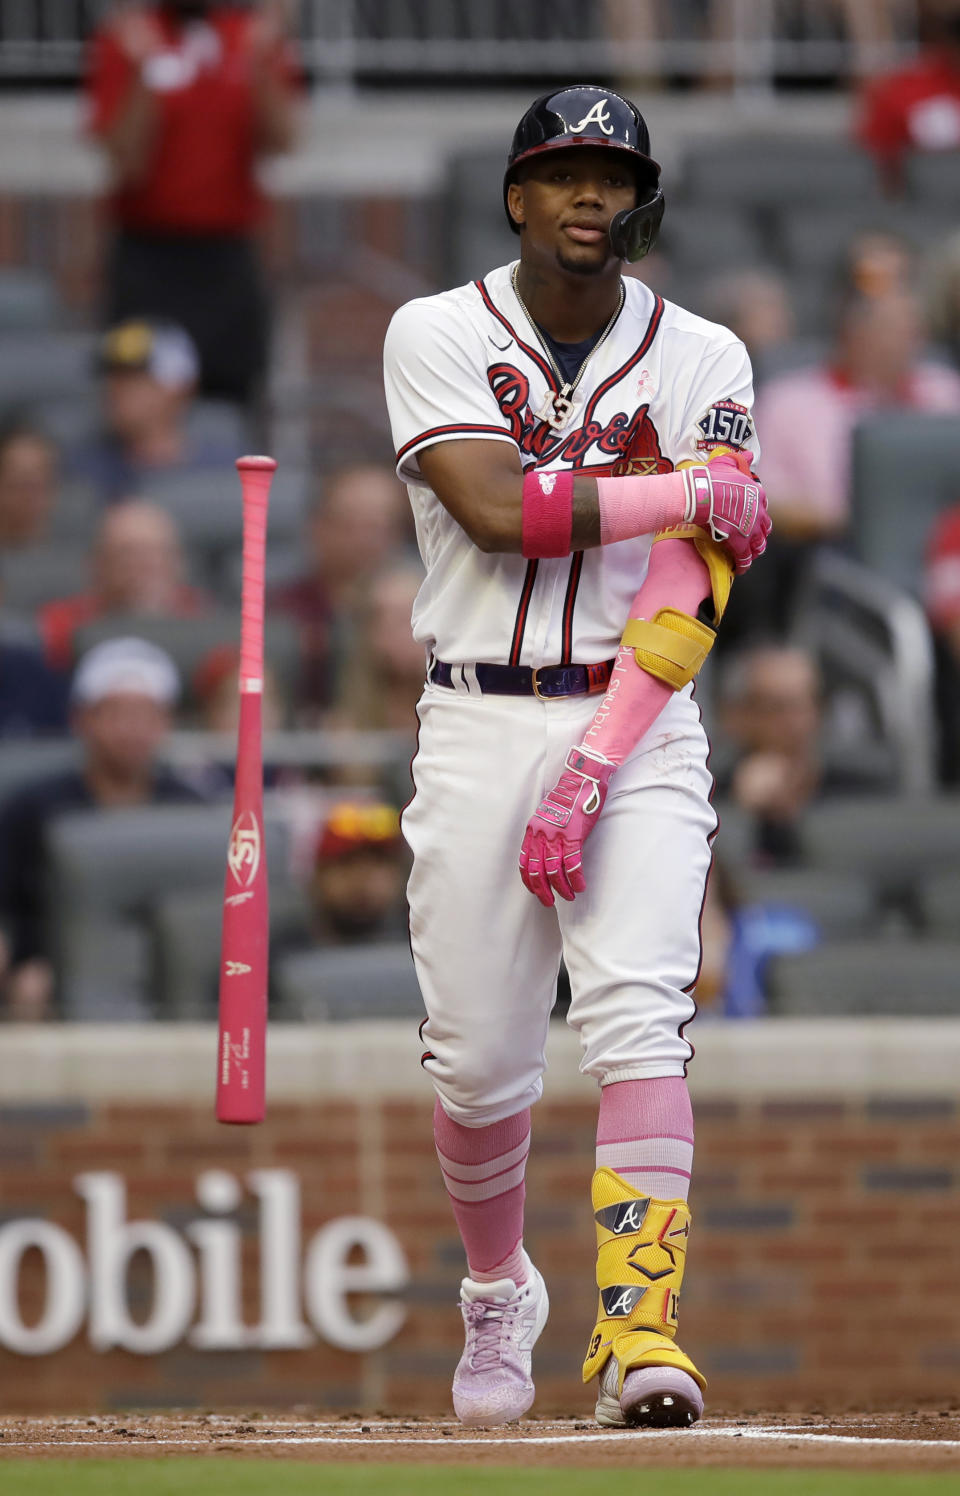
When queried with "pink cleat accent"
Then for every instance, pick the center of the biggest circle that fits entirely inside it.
(492, 1384)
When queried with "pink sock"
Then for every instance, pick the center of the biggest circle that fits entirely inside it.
(483, 1170)
(645, 1133)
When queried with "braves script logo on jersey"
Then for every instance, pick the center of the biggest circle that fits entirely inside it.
(725, 424)
(598, 115)
(629, 442)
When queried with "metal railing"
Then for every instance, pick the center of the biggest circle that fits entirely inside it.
(747, 43)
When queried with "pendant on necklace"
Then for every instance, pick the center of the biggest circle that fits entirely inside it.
(557, 409)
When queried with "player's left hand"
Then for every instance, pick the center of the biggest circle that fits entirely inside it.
(730, 502)
(551, 855)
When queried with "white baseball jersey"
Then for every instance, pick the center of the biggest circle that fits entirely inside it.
(661, 387)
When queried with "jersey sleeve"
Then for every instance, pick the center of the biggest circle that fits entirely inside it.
(435, 378)
(719, 406)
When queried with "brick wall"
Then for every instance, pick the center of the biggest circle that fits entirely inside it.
(822, 1266)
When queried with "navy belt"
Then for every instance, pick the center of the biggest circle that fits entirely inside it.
(546, 681)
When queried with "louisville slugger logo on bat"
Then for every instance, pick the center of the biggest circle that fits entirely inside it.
(243, 853)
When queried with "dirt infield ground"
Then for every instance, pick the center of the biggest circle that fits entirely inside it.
(914, 1441)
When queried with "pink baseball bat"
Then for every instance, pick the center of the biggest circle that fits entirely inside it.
(242, 1046)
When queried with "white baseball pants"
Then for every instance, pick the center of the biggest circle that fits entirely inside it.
(487, 952)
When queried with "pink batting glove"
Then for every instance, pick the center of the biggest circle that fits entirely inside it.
(731, 504)
(551, 855)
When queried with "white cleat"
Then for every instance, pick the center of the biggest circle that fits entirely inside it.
(492, 1383)
(652, 1397)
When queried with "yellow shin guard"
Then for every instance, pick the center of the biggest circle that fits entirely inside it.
(641, 1251)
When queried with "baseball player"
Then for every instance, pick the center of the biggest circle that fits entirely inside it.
(578, 457)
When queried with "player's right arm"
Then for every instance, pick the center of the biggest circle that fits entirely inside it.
(441, 395)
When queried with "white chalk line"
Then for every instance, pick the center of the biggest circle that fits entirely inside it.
(456, 1439)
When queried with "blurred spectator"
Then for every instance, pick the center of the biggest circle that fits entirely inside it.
(383, 673)
(917, 107)
(357, 523)
(755, 304)
(806, 419)
(877, 261)
(357, 888)
(942, 593)
(149, 373)
(185, 96)
(771, 715)
(33, 697)
(29, 476)
(138, 568)
(123, 694)
(805, 422)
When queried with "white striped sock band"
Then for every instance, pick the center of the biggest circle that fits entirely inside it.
(657, 1166)
(495, 1176)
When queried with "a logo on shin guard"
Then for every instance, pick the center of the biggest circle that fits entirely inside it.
(620, 1299)
(629, 1215)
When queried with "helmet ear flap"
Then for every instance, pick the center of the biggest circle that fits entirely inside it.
(633, 232)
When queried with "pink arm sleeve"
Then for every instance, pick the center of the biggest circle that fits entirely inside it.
(676, 578)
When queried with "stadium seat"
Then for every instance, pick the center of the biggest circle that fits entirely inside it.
(477, 236)
(76, 516)
(890, 978)
(36, 574)
(284, 561)
(932, 177)
(703, 238)
(905, 468)
(72, 418)
(185, 929)
(840, 904)
(24, 760)
(28, 301)
(763, 172)
(189, 640)
(220, 423)
(893, 842)
(938, 905)
(206, 505)
(106, 869)
(816, 242)
(40, 365)
(351, 982)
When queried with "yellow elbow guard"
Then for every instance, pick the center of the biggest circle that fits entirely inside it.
(714, 557)
(672, 645)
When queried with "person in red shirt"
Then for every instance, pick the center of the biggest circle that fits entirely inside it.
(185, 96)
(916, 108)
(137, 569)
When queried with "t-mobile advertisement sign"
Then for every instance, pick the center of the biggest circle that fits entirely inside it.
(304, 1287)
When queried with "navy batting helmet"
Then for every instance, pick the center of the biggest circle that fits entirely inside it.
(586, 114)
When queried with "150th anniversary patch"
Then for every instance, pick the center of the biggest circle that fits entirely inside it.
(726, 423)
